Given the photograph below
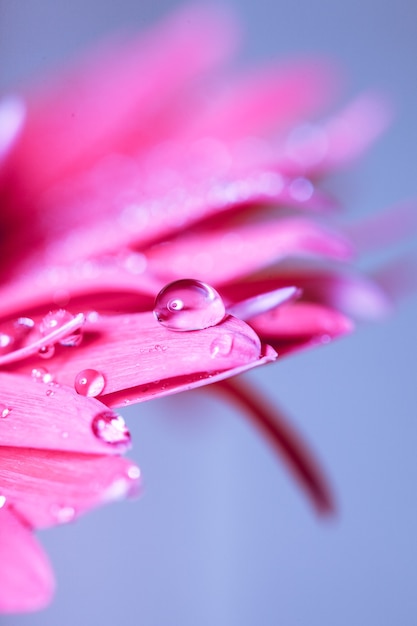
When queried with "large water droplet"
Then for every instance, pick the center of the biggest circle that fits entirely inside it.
(110, 428)
(188, 305)
(89, 382)
(47, 352)
(221, 346)
(55, 320)
(2, 501)
(4, 411)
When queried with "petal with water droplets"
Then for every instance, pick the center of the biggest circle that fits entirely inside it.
(48, 487)
(135, 351)
(49, 416)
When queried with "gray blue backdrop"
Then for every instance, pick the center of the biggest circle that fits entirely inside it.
(222, 536)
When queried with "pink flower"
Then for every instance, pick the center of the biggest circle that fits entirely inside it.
(140, 168)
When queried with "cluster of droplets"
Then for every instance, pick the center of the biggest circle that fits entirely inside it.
(188, 304)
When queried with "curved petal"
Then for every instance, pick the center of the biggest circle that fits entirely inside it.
(230, 253)
(288, 443)
(135, 350)
(48, 487)
(45, 415)
(300, 324)
(26, 579)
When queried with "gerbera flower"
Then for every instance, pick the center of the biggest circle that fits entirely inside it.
(144, 174)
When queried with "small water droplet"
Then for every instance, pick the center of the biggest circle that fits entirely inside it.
(47, 352)
(188, 305)
(2, 501)
(25, 323)
(133, 472)
(63, 514)
(89, 383)
(4, 411)
(49, 392)
(221, 346)
(65, 435)
(110, 428)
(41, 375)
(6, 342)
(55, 320)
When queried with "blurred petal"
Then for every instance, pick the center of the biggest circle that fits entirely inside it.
(49, 488)
(26, 578)
(285, 439)
(231, 253)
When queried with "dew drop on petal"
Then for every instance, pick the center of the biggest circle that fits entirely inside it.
(188, 304)
(24, 323)
(54, 321)
(221, 346)
(110, 428)
(47, 352)
(41, 375)
(4, 411)
(2, 501)
(89, 383)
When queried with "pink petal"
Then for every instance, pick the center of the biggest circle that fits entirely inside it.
(300, 324)
(78, 119)
(99, 283)
(271, 98)
(52, 417)
(132, 351)
(355, 295)
(49, 488)
(229, 253)
(26, 578)
(287, 442)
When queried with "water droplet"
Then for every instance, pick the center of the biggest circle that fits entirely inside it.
(6, 342)
(133, 472)
(4, 411)
(50, 392)
(188, 305)
(89, 382)
(55, 320)
(41, 375)
(63, 514)
(25, 323)
(221, 346)
(65, 435)
(47, 352)
(110, 428)
(2, 501)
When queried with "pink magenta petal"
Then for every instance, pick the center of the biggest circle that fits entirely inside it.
(37, 414)
(26, 578)
(132, 351)
(231, 253)
(357, 296)
(273, 97)
(49, 488)
(284, 438)
(77, 119)
(299, 325)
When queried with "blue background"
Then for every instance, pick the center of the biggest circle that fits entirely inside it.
(222, 535)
